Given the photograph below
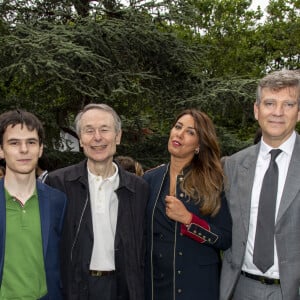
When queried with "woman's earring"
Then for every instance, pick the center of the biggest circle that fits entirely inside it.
(197, 151)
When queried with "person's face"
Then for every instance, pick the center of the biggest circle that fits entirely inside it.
(277, 114)
(183, 139)
(21, 149)
(98, 136)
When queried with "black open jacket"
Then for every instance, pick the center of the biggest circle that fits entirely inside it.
(77, 241)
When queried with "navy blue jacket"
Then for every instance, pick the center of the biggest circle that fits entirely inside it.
(52, 204)
(177, 266)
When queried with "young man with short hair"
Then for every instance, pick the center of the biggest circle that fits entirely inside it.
(31, 214)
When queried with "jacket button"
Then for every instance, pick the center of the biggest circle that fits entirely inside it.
(180, 253)
(179, 291)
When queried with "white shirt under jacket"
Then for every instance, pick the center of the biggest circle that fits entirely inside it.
(104, 206)
(262, 164)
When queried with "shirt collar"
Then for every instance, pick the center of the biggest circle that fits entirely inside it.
(11, 198)
(92, 177)
(287, 147)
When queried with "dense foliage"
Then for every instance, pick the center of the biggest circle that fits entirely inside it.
(147, 59)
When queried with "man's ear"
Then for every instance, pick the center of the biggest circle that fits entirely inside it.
(255, 109)
(118, 137)
(41, 150)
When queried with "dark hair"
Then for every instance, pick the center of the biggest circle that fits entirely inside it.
(130, 164)
(127, 162)
(44, 162)
(2, 169)
(15, 117)
(204, 181)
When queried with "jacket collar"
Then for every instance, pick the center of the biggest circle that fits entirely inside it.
(79, 173)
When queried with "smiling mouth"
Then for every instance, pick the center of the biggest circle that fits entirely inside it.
(276, 122)
(99, 147)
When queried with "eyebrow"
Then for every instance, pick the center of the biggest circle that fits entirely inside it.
(28, 139)
(276, 100)
(190, 127)
(91, 126)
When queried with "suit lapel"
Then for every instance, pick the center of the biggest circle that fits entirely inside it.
(292, 182)
(246, 172)
(44, 201)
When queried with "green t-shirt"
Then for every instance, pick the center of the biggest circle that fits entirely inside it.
(24, 275)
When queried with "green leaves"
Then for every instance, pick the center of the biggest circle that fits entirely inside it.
(147, 59)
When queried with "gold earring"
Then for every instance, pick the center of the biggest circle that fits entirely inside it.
(197, 151)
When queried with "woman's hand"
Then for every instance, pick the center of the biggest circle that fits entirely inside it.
(176, 210)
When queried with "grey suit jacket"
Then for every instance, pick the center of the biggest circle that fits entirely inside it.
(240, 170)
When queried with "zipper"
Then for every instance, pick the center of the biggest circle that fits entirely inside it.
(79, 225)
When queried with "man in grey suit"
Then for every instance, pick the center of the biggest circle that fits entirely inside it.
(277, 110)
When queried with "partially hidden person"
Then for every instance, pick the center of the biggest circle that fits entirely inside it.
(130, 164)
